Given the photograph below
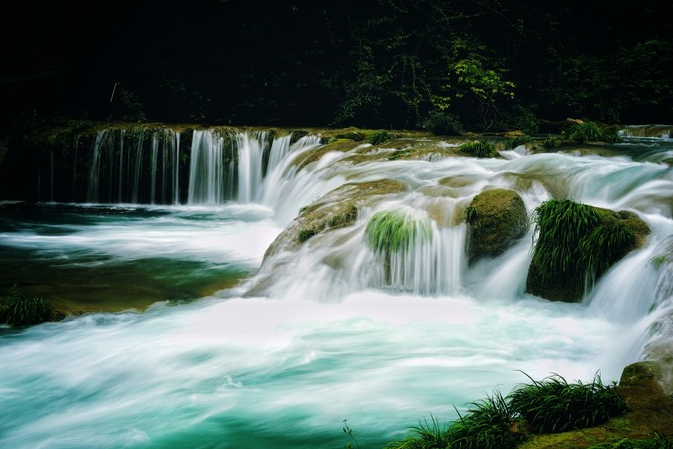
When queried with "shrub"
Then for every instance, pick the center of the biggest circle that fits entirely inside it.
(479, 149)
(554, 405)
(17, 310)
(444, 124)
(585, 132)
(516, 141)
(552, 142)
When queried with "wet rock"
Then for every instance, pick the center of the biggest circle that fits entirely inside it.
(497, 218)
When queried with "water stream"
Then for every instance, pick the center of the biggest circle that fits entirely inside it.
(329, 340)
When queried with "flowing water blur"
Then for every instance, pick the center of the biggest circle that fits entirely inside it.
(330, 341)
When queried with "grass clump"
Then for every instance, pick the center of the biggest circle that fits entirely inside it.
(658, 442)
(18, 310)
(389, 231)
(553, 405)
(516, 141)
(479, 149)
(379, 137)
(503, 422)
(560, 225)
(576, 241)
(585, 132)
(491, 423)
(393, 232)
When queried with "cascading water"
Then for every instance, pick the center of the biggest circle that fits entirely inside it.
(318, 331)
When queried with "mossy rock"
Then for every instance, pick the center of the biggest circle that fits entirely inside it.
(497, 218)
(342, 145)
(580, 241)
(337, 209)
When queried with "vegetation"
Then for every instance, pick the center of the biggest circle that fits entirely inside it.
(576, 243)
(441, 66)
(18, 310)
(516, 141)
(503, 422)
(554, 405)
(389, 231)
(658, 442)
(479, 149)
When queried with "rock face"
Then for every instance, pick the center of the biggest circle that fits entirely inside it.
(497, 218)
(576, 244)
(337, 209)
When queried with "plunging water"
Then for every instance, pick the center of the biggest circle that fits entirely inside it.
(318, 333)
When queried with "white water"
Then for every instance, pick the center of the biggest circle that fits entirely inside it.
(330, 341)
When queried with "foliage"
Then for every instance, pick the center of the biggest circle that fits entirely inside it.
(560, 225)
(574, 240)
(379, 137)
(516, 141)
(348, 431)
(658, 442)
(426, 435)
(552, 142)
(389, 231)
(471, 214)
(501, 422)
(604, 245)
(553, 405)
(442, 123)
(479, 149)
(488, 425)
(585, 132)
(18, 310)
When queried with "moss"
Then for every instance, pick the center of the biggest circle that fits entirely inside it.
(338, 209)
(577, 242)
(479, 149)
(496, 218)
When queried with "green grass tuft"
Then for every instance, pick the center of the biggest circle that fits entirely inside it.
(17, 310)
(585, 132)
(658, 442)
(390, 231)
(574, 242)
(479, 149)
(516, 141)
(553, 405)
(502, 422)
(488, 425)
(379, 137)
(560, 226)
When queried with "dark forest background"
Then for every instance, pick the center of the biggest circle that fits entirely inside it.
(445, 66)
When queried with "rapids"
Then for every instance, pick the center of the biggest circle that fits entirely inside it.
(308, 337)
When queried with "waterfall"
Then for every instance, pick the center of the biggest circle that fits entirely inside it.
(122, 170)
(250, 152)
(256, 337)
(94, 172)
(206, 176)
(153, 169)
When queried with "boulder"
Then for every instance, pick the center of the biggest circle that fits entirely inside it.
(497, 218)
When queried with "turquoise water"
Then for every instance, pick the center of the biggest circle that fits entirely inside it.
(278, 354)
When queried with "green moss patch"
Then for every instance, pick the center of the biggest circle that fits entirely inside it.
(497, 218)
